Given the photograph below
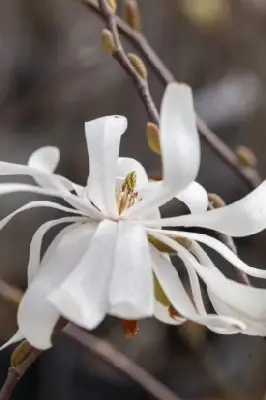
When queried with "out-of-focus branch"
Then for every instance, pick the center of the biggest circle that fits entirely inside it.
(99, 347)
(248, 175)
(119, 361)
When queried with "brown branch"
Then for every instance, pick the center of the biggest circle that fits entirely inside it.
(120, 55)
(119, 361)
(99, 347)
(248, 175)
(16, 373)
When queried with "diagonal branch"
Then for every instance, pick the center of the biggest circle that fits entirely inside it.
(249, 176)
(99, 347)
(120, 55)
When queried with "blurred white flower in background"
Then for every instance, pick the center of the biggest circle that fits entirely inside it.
(106, 260)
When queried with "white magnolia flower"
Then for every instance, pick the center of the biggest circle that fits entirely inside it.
(103, 262)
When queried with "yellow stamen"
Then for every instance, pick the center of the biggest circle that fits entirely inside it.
(126, 196)
(129, 183)
(130, 328)
(172, 312)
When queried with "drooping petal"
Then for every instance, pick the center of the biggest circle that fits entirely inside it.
(37, 316)
(103, 139)
(162, 314)
(17, 337)
(36, 243)
(131, 287)
(53, 182)
(221, 248)
(180, 149)
(195, 197)
(34, 204)
(172, 286)
(242, 218)
(83, 296)
(127, 165)
(234, 304)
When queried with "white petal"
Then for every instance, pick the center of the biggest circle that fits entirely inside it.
(241, 301)
(36, 243)
(172, 286)
(195, 197)
(162, 314)
(221, 248)
(180, 149)
(131, 288)
(103, 139)
(17, 337)
(244, 217)
(54, 182)
(127, 165)
(34, 204)
(45, 159)
(7, 188)
(36, 315)
(234, 304)
(83, 296)
(179, 139)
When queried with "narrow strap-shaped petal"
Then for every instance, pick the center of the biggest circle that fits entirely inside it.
(221, 248)
(37, 316)
(131, 288)
(241, 301)
(242, 218)
(36, 243)
(180, 148)
(17, 337)
(83, 296)
(195, 197)
(7, 188)
(53, 182)
(103, 140)
(172, 286)
(34, 204)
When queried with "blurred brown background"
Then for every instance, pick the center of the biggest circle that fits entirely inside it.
(54, 75)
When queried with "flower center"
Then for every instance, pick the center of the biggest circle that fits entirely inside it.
(126, 196)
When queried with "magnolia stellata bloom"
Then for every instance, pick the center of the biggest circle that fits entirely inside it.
(105, 262)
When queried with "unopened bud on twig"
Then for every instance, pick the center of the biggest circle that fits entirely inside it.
(132, 14)
(153, 137)
(113, 5)
(246, 157)
(215, 200)
(139, 65)
(20, 354)
(108, 41)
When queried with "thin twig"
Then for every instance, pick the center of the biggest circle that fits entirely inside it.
(121, 57)
(16, 373)
(99, 347)
(249, 175)
(119, 361)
